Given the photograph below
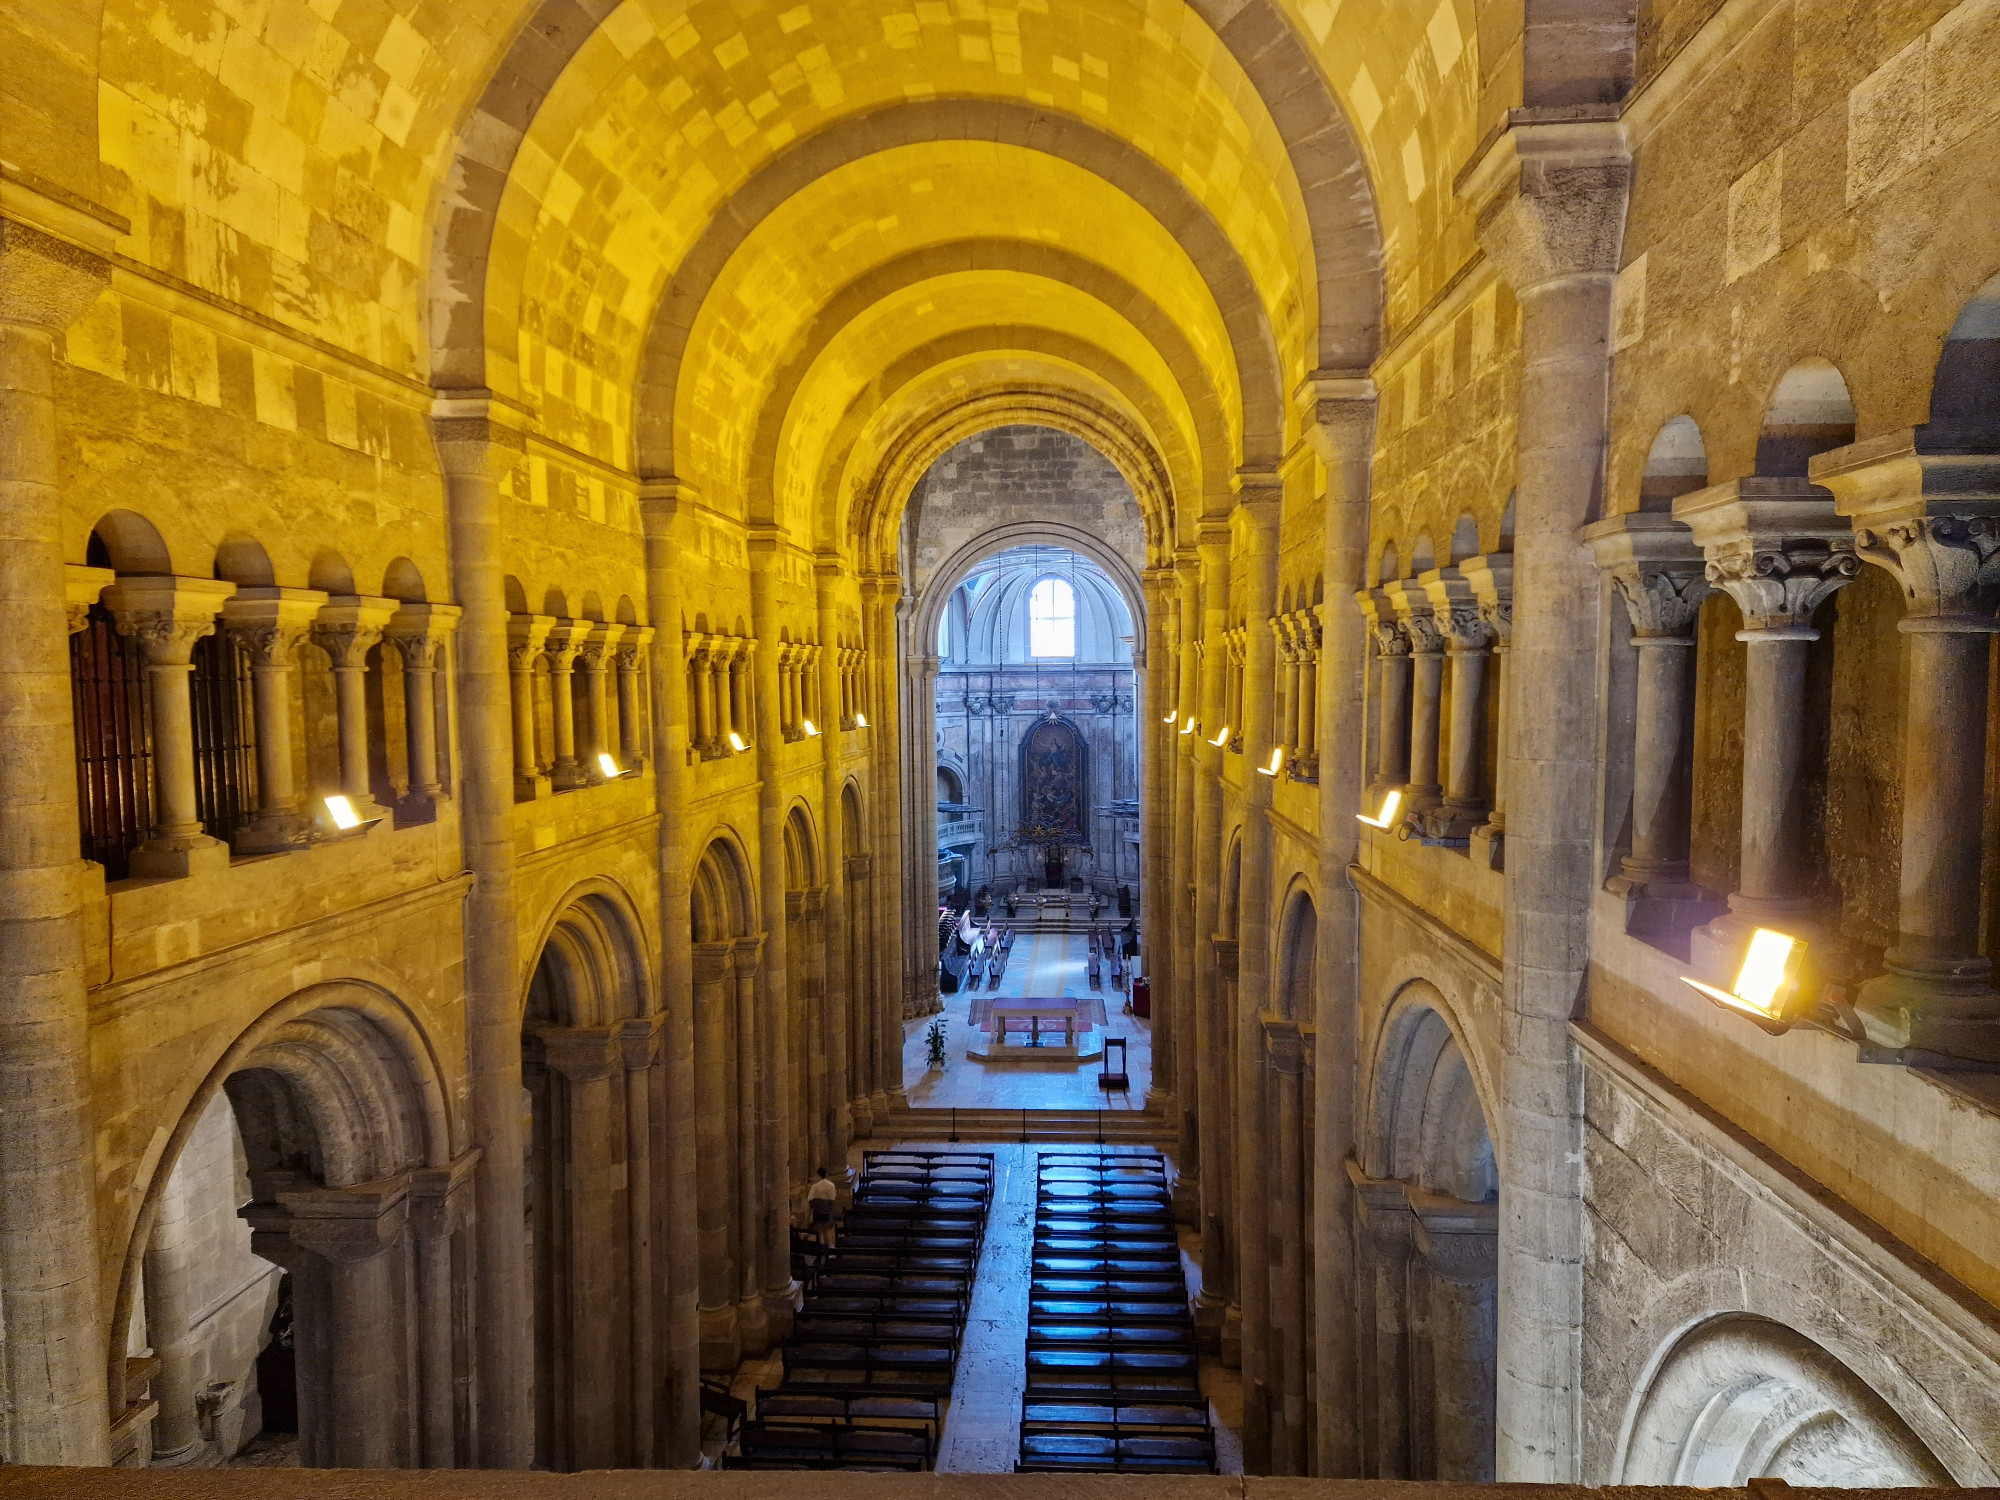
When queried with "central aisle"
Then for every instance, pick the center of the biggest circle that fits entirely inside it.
(982, 1425)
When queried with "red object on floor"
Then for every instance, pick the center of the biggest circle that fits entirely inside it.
(1142, 997)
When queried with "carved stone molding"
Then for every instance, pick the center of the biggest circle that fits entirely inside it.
(1658, 571)
(166, 616)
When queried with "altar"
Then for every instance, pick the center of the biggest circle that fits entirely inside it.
(1036, 1029)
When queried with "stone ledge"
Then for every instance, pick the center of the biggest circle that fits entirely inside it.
(444, 1484)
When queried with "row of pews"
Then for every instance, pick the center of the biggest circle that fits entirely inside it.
(1113, 1379)
(873, 1349)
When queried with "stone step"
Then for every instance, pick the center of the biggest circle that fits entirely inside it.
(1047, 1126)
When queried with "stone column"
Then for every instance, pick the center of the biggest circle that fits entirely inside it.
(1468, 643)
(586, 1204)
(1414, 613)
(167, 616)
(639, 1054)
(675, 1178)
(1213, 1016)
(920, 715)
(347, 629)
(599, 657)
(631, 670)
(1287, 1160)
(861, 1019)
(1259, 503)
(753, 1156)
(1659, 573)
(525, 637)
(1926, 507)
(170, 1317)
(419, 632)
(776, 1021)
(1339, 421)
(715, 1125)
(441, 1216)
(344, 1248)
(1492, 580)
(1458, 1243)
(1778, 549)
(1182, 933)
(1392, 714)
(479, 441)
(882, 595)
(1551, 202)
(268, 623)
(1156, 749)
(828, 570)
(1386, 1237)
(566, 641)
(52, 1383)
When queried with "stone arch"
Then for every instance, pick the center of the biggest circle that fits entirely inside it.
(1329, 166)
(1155, 189)
(592, 965)
(802, 857)
(1676, 464)
(1298, 965)
(722, 904)
(130, 544)
(591, 1068)
(884, 493)
(1429, 1213)
(1965, 390)
(1025, 258)
(1739, 1397)
(1809, 412)
(242, 560)
(356, 1193)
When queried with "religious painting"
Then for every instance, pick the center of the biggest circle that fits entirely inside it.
(1053, 780)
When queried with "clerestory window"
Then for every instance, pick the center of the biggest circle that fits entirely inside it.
(1052, 619)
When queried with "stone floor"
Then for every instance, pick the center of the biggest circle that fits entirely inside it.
(1044, 964)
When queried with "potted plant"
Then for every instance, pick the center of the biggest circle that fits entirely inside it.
(934, 1043)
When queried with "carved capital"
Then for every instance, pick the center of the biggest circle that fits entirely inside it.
(584, 1054)
(1663, 604)
(1949, 567)
(1466, 630)
(1551, 200)
(1778, 586)
(1426, 638)
(526, 635)
(348, 626)
(418, 633)
(442, 1201)
(1391, 640)
(46, 283)
(1774, 545)
(270, 622)
(166, 616)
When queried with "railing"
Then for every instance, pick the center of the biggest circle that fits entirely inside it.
(962, 831)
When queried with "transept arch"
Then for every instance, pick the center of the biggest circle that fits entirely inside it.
(592, 966)
(1739, 1397)
(358, 1193)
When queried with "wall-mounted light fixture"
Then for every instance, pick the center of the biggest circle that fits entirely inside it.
(861, 721)
(607, 767)
(811, 729)
(1222, 736)
(736, 742)
(1169, 718)
(1767, 987)
(1388, 815)
(346, 819)
(1191, 727)
(1276, 765)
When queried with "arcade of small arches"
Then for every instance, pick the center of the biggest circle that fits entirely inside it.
(1379, 497)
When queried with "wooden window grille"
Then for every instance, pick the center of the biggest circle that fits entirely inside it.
(112, 704)
(225, 736)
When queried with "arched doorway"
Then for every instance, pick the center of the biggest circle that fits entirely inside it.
(328, 1116)
(1429, 1211)
(744, 1246)
(591, 1068)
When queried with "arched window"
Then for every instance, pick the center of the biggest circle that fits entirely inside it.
(1052, 619)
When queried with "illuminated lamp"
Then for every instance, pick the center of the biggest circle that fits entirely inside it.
(1767, 986)
(1389, 805)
